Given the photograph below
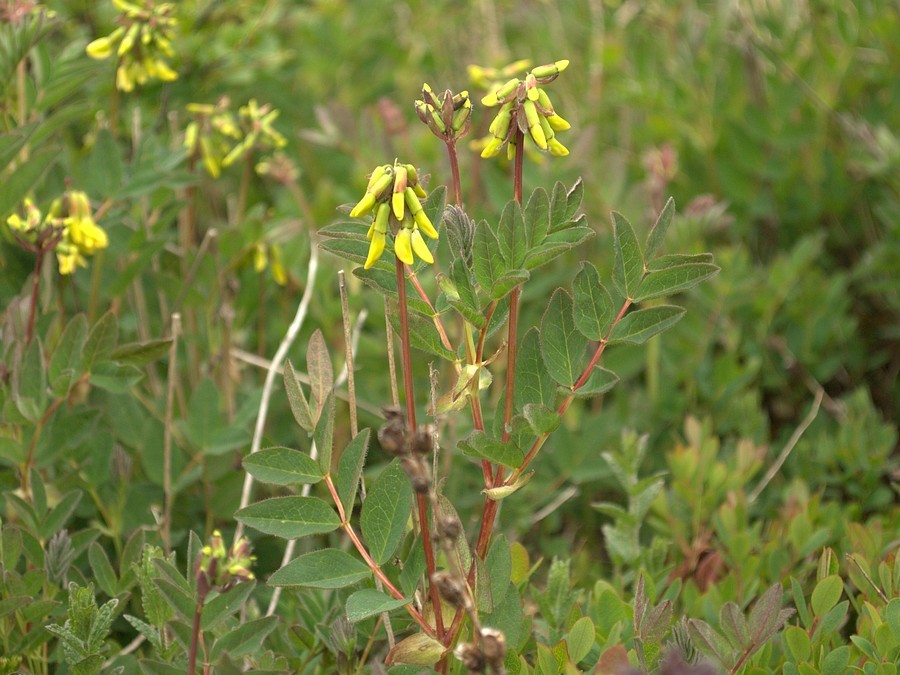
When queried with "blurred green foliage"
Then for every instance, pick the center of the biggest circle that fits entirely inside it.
(773, 123)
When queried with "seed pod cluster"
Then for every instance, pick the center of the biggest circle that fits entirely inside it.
(393, 193)
(411, 447)
(525, 106)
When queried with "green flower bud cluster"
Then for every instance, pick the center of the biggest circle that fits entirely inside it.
(393, 193)
(142, 43)
(69, 228)
(220, 138)
(525, 105)
(220, 569)
(448, 115)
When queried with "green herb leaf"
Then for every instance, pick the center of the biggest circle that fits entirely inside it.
(369, 602)
(478, 444)
(386, 511)
(290, 517)
(639, 326)
(282, 466)
(593, 306)
(629, 267)
(562, 345)
(327, 568)
(350, 466)
(674, 279)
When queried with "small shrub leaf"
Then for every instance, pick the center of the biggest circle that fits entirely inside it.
(826, 594)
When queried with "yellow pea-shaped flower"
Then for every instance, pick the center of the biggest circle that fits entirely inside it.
(403, 246)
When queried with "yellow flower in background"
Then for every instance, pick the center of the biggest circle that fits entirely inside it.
(68, 229)
(266, 255)
(142, 43)
(220, 138)
(81, 229)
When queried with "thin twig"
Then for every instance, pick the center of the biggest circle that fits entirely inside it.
(125, 651)
(292, 544)
(392, 366)
(348, 348)
(167, 438)
(277, 360)
(208, 239)
(795, 437)
(558, 501)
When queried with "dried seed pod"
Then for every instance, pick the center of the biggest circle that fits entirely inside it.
(421, 441)
(417, 471)
(392, 435)
(471, 657)
(493, 643)
(451, 588)
(449, 528)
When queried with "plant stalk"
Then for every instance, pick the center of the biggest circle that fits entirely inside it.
(35, 288)
(406, 363)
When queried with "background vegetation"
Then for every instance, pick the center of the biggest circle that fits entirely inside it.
(772, 123)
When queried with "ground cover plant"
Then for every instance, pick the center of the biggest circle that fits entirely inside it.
(309, 367)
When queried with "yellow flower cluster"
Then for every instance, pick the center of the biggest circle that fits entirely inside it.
(525, 105)
(142, 43)
(69, 227)
(220, 138)
(393, 192)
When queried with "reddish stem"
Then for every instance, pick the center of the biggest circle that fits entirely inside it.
(406, 361)
(437, 319)
(567, 401)
(454, 171)
(376, 569)
(489, 510)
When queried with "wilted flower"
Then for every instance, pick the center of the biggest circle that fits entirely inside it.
(142, 43)
(220, 138)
